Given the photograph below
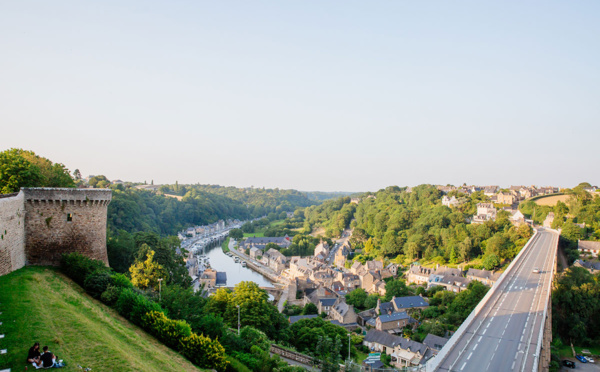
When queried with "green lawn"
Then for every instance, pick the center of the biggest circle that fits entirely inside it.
(565, 351)
(40, 304)
(225, 245)
(257, 234)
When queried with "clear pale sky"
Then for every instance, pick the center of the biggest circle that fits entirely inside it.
(310, 95)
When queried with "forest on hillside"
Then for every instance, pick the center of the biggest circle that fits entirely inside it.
(395, 223)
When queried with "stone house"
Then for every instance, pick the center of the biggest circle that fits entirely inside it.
(588, 247)
(343, 313)
(283, 242)
(484, 276)
(340, 256)
(393, 322)
(322, 248)
(255, 253)
(404, 352)
(485, 212)
(275, 260)
(450, 202)
(350, 281)
(505, 198)
(208, 278)
(418, 274)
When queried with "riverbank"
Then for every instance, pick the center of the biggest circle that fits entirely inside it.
(225, 245)
(257, 267)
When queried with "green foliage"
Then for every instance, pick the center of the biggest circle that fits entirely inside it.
(465, 302)
(306, 333)
(168, 331)
(576, 305)
(357, 298)
(78, 267)
(333, 215)
(146, 274)
(491, 262)
(236, 234)
(397, 288)
(310, 309)
(302, 245)
(111, 295)
(20, 168)
(204, 352)
(97, 282)
(133, 306)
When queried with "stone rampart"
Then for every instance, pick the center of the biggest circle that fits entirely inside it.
(60, 221)
(12, 233)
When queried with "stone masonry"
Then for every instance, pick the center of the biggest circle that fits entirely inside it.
(43, 223)
(12, 232)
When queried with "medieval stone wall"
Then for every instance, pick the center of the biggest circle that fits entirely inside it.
(12, 232)
(61, 221)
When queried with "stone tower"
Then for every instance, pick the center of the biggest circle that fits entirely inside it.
(61, 221)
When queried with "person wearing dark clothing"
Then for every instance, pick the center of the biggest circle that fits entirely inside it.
(34, 354)
(49, 360)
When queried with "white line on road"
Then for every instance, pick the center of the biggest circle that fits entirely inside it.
(475, 347)
(463, 367)
(469, 357)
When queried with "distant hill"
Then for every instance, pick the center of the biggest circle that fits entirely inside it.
(323, 195)
(40, 304)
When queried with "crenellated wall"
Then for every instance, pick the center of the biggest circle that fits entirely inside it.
(38, 225)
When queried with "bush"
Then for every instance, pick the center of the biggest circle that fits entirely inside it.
(122, 281)
(134, 306)
(78, 267)
(111, 295)
(204, 352)
(166, 330)
(97, 282)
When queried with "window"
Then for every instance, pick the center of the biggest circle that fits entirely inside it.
(69, 217)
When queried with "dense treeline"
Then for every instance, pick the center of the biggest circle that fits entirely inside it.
(20, 168)
(139, 210)
(575, 307)
(395, 223)
(260, 201)
(333, 215)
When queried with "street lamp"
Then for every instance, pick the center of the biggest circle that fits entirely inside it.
(349, 335)
(159, 289)
(238, 307)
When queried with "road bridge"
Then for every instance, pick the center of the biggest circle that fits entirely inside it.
(506, 330)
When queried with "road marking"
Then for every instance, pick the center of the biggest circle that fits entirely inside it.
(475, 347)
(469, 357)
(484, 331)
(513, 365)
(480, 337)
(463, 366)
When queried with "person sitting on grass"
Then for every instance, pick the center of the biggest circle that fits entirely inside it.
(34, 354)
(49, 359)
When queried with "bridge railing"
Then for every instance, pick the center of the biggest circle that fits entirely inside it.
(434, 363)
(538, 350)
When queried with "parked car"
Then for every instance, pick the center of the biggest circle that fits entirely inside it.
(568, 363)
(536, 270)
(581, 358)
(590, 359)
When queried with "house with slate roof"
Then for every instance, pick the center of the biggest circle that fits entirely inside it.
(404, 352)
(393, 322)
(409, 303)
(435, 343)
(343, 313)
(484, 276)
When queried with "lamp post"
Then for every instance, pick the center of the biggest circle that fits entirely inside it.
(349, 335)
(159, 289)
(238, 307)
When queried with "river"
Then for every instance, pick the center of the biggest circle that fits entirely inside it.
(235, 272)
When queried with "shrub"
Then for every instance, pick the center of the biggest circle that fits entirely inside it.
(78, 267)
(97, 282)
(111, 295)
(204, 352)
(166, 330)
(134, 306)
(121, 280)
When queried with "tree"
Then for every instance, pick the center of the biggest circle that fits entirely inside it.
(310, 309)
(145, 274)
(236, 234)
(77, 174)
(397, 288)
(94, 181)
(17, 172)
(328, 351)
(357, 298)
(491, 262)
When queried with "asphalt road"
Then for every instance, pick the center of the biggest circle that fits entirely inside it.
(505, 334)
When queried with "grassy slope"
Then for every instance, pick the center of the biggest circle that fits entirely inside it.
(41, 304)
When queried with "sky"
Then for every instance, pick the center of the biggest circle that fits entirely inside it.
(309, 95)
